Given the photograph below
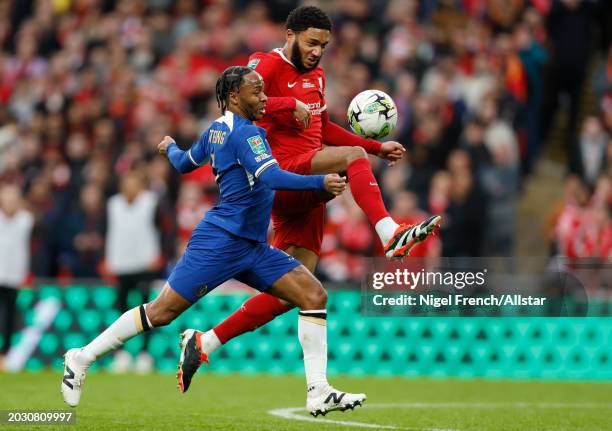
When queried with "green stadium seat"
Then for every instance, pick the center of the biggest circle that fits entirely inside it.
(577, 360)
(153, 293)
(393, 359)
(441, 330)
(25, 299)
(48, 344)
(347, 302)
(601, 362)
(63, 320)
(28, 317)
(357, 328)
(386, 327)
(104, 297)
(159, 345)
(345, 351)
(263, 350)
(236, 349)
(279, 324)
(90, 320)
(165, 365)
(109, 316)
(105, 362)
(371, 353)
(16, 338)
(135, 298)
(76, 297)
(356, 369)
(57, 363)
(411, 328)
(198, 321)
(291, 349)
(421, 355)
(281, 363)
(592, 335)
(34, 364)
(49, 291)
(134, 346)
(565, 334)
(73, 339)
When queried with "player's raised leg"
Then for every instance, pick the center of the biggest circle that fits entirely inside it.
(397, 239)
(163, 310)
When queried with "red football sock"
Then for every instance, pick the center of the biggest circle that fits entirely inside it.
(255, 311)
(365, 190)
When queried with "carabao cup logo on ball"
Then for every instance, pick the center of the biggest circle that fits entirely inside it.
(372, 114)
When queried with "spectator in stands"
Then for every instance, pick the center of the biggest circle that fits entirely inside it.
(133, 247)
(15, 229)
(590, 158)
(83, 230)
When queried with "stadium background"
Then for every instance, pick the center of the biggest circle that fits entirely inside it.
(505, 108)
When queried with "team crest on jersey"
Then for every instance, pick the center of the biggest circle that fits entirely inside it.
(253, 63)
(256, 144)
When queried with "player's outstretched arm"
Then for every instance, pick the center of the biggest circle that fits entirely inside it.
(278, 179)
(183, 161)
(334, 135)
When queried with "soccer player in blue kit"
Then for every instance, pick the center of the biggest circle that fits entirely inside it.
(230, 242)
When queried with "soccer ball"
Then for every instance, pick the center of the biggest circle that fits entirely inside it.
(372, 114)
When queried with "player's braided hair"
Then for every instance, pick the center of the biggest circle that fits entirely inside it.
(230, 80)
(304, 17)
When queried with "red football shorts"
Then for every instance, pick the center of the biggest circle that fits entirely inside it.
(298, 217)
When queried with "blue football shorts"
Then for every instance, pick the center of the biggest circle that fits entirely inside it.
(214, 255)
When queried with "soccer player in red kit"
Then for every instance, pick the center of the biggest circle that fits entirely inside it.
(305, 141)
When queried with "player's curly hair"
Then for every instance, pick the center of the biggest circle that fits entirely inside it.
(304, 17)
(230, 80)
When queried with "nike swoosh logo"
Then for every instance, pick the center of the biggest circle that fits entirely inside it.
(373, 184)
(291, 85)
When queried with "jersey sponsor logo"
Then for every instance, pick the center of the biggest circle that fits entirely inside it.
(315, 108)
(256, 144)
(261, 157)
(307, 84)
(216, 136)
(253, 63)
(291, 84)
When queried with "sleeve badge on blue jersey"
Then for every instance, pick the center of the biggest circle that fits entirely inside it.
(257, 144)
(253, 63)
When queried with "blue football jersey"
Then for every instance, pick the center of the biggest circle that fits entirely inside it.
(238, 152)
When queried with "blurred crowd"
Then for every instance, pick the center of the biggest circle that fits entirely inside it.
(89, 87)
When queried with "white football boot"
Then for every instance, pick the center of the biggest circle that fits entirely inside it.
(74, 376)
(323, 400)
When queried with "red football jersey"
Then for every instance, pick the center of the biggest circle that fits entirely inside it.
(281, 79)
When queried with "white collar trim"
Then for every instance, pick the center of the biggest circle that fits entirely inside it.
(279, 51)
(228, 119)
